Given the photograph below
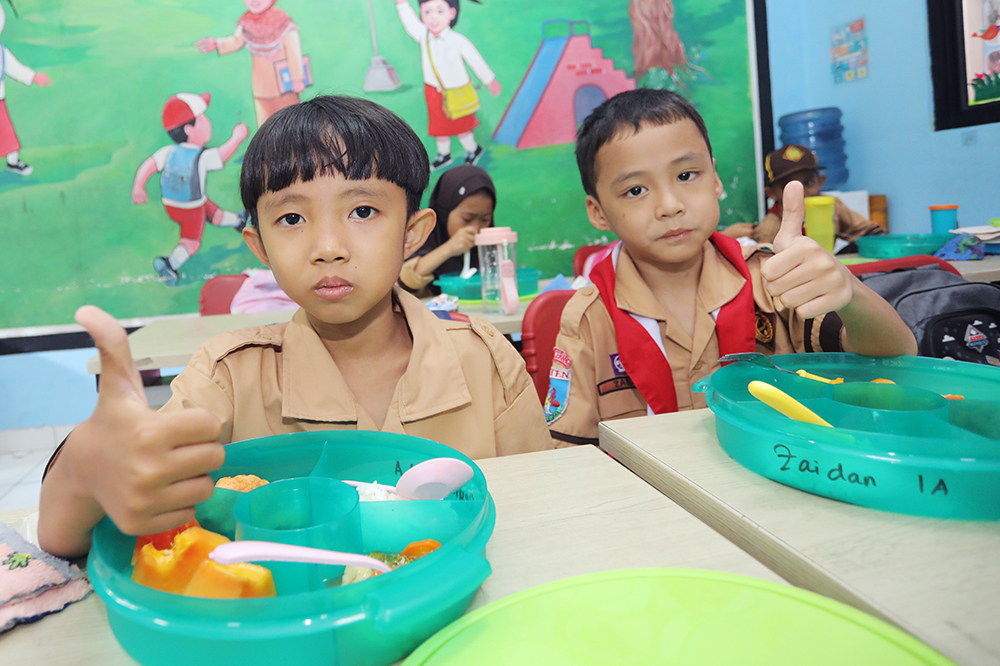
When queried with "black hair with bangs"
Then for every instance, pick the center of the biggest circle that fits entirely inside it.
(631, 108)
(348, 135)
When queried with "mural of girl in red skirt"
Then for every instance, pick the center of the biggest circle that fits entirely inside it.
(11, 68)
(444, 54)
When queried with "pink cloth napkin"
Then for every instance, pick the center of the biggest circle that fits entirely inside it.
(34, 583)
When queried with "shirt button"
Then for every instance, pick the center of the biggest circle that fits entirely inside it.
(588, 291)
(489, 332)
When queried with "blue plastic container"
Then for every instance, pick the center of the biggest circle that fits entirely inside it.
(371, 623)
(900, 448)
(821, 131)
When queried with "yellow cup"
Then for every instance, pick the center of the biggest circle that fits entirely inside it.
(819, 221)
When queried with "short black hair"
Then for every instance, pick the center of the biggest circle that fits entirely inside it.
(178, 134)
(348, 135)
(454, 5)
(627, 109)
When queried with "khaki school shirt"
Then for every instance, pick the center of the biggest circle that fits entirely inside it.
(465, 386)
(599, 388)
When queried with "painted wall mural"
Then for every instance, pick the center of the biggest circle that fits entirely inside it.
(120, 186)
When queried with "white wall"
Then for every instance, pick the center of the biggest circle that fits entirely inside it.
(888, 117)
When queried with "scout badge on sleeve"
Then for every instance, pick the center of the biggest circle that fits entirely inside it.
(559, 376)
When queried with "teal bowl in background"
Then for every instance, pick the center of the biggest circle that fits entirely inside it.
(900, 245)
(370, 623)
(901, 447)
(471, 289)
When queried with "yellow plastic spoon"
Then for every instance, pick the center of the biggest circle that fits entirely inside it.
(774, 397)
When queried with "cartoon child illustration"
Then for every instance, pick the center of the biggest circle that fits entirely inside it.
(444, 53)
(183, 169)
(272, 37)
(10, 67)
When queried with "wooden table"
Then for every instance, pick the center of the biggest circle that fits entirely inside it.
(986, 269)
(939, 580)
(171, 342)
(560, 513)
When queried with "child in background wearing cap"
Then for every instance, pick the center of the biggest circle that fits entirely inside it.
(798, 163)
(183, 169)
(673, 297)
(333, 186)
(463, 200)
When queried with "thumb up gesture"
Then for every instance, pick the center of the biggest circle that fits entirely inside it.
(802, 274)
(144, 469)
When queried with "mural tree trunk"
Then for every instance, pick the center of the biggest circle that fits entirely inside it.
(655, 42)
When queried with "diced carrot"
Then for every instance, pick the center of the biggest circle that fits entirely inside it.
(420, 548)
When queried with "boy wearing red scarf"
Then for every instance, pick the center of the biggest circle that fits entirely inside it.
(675, 295)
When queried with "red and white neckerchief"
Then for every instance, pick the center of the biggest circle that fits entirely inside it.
(640, 345)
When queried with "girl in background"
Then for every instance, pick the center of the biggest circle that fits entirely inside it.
(463, 199)
(272, 38)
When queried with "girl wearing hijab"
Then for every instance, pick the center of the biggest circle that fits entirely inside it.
(463, 199)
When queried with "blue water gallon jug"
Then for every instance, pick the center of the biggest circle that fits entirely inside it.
(821, 131)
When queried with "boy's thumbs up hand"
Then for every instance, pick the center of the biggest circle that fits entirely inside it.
(802, 274)
(792, 216)
(146, 469)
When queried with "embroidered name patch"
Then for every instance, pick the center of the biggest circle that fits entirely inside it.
(559, 380)
(615, 384)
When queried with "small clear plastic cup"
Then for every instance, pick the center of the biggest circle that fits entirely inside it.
(307, 511)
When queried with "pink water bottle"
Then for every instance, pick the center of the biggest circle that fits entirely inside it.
(498, 269)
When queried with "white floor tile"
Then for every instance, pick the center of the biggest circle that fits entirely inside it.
(21, 496)
(16, 466)
(28, 439)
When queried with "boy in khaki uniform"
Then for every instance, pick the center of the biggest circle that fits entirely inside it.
(332, 186)
(674, 296)
(794, 162)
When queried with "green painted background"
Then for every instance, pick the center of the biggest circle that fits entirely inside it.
(70, 234)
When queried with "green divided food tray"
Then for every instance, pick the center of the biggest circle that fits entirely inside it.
(471, 289)
(900, 245)
(682, 617)
(372, 623)
(901, 447)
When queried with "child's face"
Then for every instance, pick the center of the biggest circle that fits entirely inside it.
(658, 191)
(201, 132)
(475, 210)
(258, 6)
(437, 15)
(335, 245)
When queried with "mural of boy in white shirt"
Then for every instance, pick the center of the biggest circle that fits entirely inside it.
(11, 68)
(444, 55)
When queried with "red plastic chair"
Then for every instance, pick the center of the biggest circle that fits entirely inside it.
(538, 335)
(901, 262)
(217, 293)
(580, 258)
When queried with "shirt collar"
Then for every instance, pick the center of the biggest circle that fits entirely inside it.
(313, 389)
(720, 282)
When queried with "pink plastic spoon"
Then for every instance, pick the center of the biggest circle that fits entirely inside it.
(432, 479)
(268, 551)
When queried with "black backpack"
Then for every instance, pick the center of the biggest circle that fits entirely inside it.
(949, 316)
